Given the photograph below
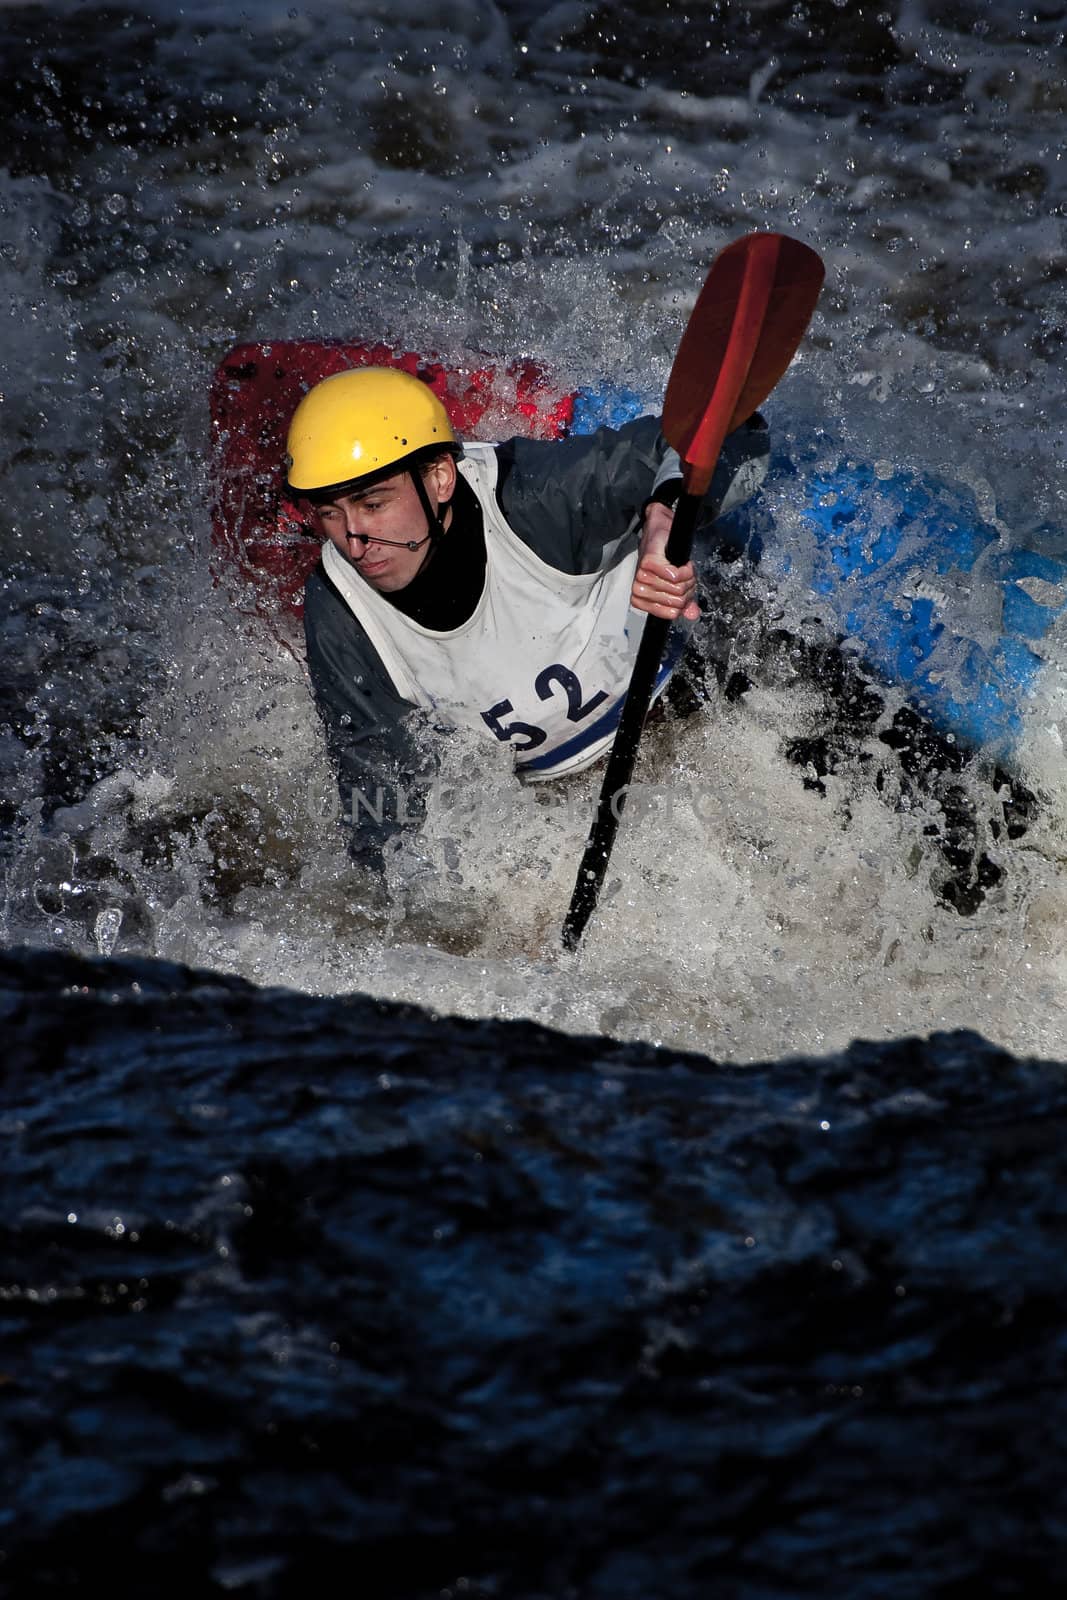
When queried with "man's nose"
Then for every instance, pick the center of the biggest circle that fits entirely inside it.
(352, 529)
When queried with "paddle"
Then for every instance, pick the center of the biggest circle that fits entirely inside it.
(742, 334)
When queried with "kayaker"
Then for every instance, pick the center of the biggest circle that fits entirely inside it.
(493, 587)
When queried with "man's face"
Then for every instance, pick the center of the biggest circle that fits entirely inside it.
(391, 512)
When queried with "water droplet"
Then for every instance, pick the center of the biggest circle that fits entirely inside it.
(106, 929)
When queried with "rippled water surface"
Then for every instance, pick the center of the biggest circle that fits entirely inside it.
(292, 1287)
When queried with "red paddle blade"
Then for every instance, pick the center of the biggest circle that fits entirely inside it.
(744, 330)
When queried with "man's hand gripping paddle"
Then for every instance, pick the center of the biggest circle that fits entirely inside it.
(743, 333)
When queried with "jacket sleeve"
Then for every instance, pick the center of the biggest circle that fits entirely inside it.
(383, 771)
(578, 502)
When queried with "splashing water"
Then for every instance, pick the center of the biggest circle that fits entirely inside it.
(515, 182)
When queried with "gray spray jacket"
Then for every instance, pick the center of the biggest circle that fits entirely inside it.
(577, 504)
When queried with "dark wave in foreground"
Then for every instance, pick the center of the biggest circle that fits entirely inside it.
(303, 1290)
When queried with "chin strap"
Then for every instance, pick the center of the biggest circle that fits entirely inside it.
(435, 520)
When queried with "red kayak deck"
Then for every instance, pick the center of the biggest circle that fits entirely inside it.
(265, 544)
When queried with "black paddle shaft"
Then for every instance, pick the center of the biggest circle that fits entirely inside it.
(623, 755)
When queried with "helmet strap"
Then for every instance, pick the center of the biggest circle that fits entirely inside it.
(435, 520)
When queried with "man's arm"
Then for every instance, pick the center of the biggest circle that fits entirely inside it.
(383, 774)
(581, 503)
(577, 502)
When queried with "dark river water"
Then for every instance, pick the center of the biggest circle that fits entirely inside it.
(354, 1236)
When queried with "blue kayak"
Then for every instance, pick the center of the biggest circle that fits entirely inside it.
(906, 567)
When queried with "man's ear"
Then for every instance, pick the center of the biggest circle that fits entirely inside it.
(443, 473)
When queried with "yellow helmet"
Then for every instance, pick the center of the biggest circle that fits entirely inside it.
(361, 425)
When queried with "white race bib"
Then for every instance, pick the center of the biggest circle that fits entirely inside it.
(544, 661)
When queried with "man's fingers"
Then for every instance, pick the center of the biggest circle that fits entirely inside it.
(669, 607)
(665, 591)
(658, 572)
